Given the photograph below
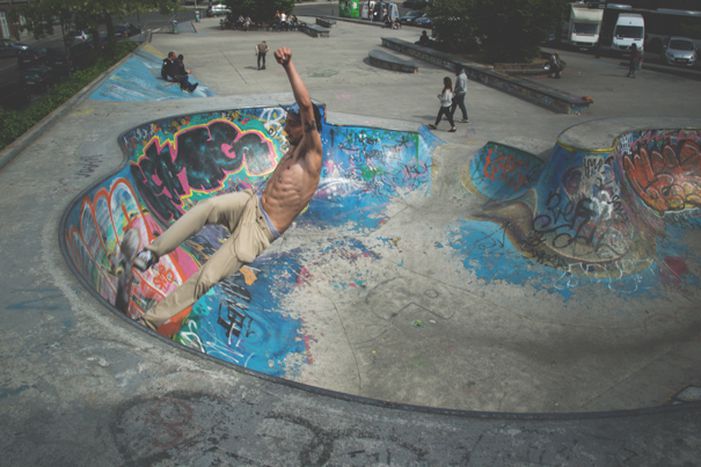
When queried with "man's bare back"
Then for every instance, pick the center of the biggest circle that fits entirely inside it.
(296, 177)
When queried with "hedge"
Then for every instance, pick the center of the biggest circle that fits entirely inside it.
(14, 123)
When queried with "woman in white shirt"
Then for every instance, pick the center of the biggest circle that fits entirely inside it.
(446, 98)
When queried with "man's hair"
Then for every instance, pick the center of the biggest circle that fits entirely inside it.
(294, 109)
(171, 54)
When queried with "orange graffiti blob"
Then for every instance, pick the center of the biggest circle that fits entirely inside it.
(666, 181)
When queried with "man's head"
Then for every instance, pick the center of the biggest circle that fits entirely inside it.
(171, 56)
(294, 127)
(459, 70)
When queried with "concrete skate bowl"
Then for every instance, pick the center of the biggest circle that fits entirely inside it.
(398, 284)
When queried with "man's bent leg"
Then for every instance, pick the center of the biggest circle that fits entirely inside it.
(221, 264)
(224, 209)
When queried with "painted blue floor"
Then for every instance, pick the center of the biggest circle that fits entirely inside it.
(139, 79)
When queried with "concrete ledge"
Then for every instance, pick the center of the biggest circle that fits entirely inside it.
(382, 59)
(325, 22)
(541, 95)
(315, 30)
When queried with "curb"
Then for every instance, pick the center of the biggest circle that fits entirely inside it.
(10, 152)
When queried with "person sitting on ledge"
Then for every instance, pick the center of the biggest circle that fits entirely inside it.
(424, 39)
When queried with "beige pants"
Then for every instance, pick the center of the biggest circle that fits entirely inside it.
(239, 212)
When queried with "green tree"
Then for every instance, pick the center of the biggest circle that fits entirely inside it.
(42, 16)
(452, 25)
(504, 30)
(260, 10)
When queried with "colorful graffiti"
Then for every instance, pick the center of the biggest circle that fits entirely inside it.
(666, 175)
(175, 162)
(502, 172)
(584, 212)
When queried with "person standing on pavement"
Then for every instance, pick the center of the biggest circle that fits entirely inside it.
(635, 60)
(446, 98)
(459, 94)
(261, 51)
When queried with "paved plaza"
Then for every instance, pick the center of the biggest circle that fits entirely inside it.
(414, 356)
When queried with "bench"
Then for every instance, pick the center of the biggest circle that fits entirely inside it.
(382, 59)
(325, 22)
(315, 30)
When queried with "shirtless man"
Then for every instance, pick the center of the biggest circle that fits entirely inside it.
(254, 220)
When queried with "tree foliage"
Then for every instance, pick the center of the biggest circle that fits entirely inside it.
(259, 10)
(502, 30)
(43, 16)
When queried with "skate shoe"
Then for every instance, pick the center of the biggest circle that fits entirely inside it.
(144, 260)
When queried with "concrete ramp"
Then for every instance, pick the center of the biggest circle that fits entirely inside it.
(617, 215)
(174, 163)
(563, 282)
(139, 79)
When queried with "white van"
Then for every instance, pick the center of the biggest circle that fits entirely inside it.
(584, 25)
(629, 30)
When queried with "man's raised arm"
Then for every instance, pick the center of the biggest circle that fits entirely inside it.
(306, 111)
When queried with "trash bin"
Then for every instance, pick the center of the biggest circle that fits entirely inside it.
(174, 26)
(197, 16)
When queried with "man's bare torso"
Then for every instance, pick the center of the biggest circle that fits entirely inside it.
(291, 187)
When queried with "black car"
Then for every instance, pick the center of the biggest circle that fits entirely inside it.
(126, 30)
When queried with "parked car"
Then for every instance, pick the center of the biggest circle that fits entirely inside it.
(680, 51)
(410, 16)
(10, 48)
(424, 22)
(218, 9)
(29, 56)
(126, 30)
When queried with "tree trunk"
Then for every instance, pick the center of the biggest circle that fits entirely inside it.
(66, 46)
(110, 34)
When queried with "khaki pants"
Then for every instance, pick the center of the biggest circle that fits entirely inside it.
(239, 212)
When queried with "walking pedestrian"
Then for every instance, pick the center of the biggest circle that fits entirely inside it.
(446, 98)
(459, 94)
(635, 61)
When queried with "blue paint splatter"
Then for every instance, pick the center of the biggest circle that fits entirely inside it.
(490, 254)
(139, 79)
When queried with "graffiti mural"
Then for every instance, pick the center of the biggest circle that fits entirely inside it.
(584, 217)
(666, 173)
(502, 172)
(175, 162)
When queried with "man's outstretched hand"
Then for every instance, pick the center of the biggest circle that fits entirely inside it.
(283, 56)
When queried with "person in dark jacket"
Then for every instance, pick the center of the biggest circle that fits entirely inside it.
(180, 74)
(166, 67)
